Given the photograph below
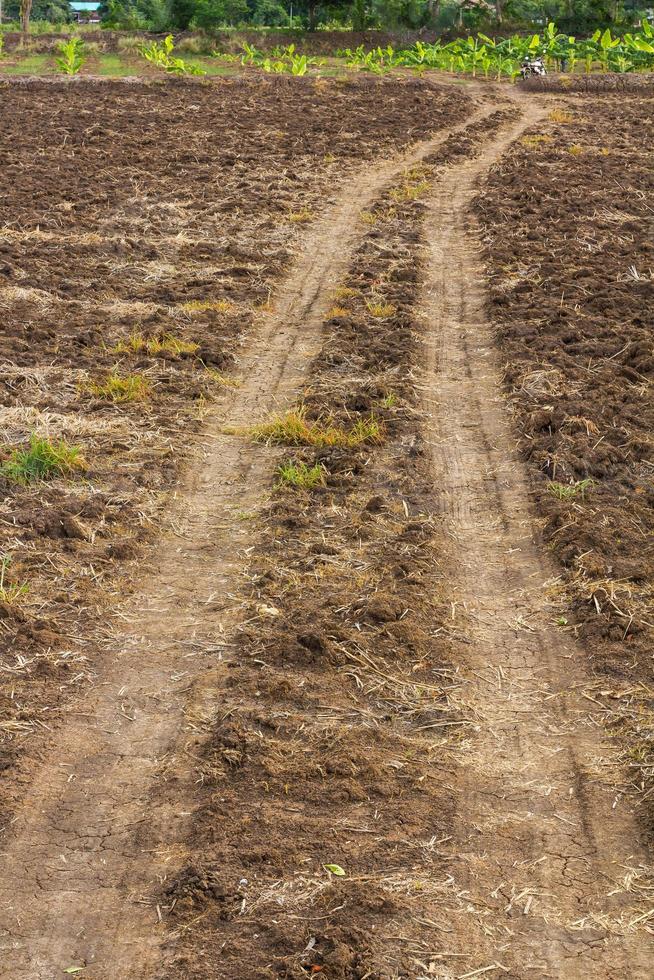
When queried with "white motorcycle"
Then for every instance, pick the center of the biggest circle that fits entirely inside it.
(532, 68)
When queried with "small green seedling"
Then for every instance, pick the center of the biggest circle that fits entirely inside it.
(335, 869)
(301, 475)
(568, 491)
(44, 459)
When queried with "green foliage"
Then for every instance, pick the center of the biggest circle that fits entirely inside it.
(210, 14)
(379, 60)
(281, 61)
(136, 15)
(42, 460)
(130, 388)
(160, 54)
(300, 475)
(168, 343)
(270, 13)
(71, 56)
(43, 15)
(484, 55)
(573, 16)
(568, 491)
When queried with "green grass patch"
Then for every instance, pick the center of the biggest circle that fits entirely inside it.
(202, 306)
(536, 140)
(380, 309)
(31, 64)
(44, 459)
(293, 429)
(223, 380)
(130, 388)
(301, 476)
(409, 192)
(114, 66)
(212, 66)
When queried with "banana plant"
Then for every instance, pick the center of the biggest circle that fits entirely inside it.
(607, 43)
(160, 54)
(503, 57)
(589, 51)
(251, 54)
(71, 56)
(552, 43)
(621, 64)
(505, 66)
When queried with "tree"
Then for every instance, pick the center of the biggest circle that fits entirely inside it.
(182, 13)
(434, 8)
(25, 11)
(56, 11)
(210, 14)
(270, 13)
(360, 16)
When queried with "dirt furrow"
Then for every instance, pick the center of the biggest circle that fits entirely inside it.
(86, 848)
(544, 851)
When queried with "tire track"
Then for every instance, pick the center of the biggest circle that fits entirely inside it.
(544, 851)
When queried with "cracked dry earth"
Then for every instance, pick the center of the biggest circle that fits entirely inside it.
(540, 858)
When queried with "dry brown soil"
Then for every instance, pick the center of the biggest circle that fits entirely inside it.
(372, 675)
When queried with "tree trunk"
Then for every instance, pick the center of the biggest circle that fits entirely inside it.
(25, 11)
(434, 8)
(498, 11)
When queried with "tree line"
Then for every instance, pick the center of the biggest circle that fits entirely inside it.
(358, 15)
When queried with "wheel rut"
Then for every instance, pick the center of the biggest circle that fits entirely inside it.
(86, 849)
(544, 855)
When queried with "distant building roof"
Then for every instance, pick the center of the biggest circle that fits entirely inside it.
(84, 5)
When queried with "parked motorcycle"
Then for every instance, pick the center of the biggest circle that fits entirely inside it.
(532, 68)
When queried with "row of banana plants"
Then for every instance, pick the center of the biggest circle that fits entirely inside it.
(483, 55)
(161, 55)
(280, 61)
